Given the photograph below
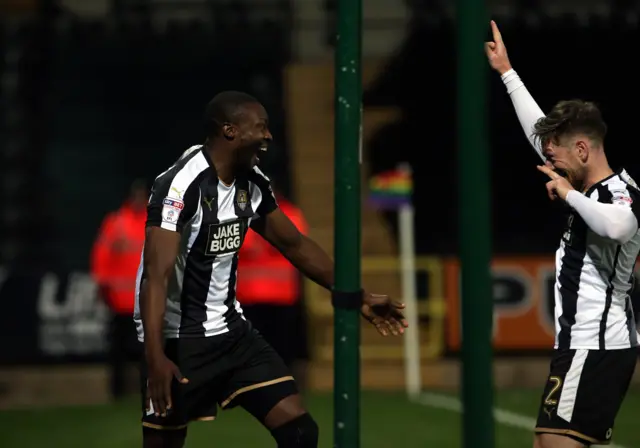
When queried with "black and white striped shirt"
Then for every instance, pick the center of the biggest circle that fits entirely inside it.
(594, 276)
(594, 265)
(212, 219)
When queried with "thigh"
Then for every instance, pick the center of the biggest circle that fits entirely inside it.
(584, 392)
(260, 380)
(202, 362)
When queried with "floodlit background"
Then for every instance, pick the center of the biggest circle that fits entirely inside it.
(96, 95)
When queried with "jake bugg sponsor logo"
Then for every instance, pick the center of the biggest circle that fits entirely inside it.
(226, 237)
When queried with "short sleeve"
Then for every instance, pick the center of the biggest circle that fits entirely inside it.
(172, 204)
(268, 203)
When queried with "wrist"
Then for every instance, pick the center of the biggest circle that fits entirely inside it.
(569, 197)
(153, 350)
(511, 80)
(505, 71)
(508, 75)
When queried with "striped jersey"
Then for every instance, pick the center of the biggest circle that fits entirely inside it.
(212, 219)
(594, 277)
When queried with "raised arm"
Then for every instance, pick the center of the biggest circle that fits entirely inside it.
(526, 108)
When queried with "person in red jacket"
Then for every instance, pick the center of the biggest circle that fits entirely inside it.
(114, 264)
(269, 290)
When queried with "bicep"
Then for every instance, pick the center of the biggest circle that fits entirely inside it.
(278, 230)
(160, 252)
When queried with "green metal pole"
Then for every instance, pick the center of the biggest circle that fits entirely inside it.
(347, 295)
(475, 229)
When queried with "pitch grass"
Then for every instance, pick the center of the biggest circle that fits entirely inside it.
(388, 421)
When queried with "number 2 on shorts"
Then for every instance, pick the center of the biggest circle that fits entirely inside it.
(557, 383)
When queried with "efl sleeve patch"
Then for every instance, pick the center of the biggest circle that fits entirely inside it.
(171, 209)
(621, 197)
(623, 200)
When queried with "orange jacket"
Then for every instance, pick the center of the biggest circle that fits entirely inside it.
(116, 255)
(264, 275)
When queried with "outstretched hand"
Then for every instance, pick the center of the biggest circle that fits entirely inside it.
(497, 52)
(384, 313)
(558, 186)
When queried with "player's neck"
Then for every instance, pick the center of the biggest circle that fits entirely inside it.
(222, 161)
(596, 175)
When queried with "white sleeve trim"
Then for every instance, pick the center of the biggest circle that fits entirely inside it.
(614, 221)
(167, 226)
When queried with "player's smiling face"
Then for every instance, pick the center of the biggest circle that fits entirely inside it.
(253, 135)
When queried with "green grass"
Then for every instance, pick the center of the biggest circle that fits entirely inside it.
(388, 421)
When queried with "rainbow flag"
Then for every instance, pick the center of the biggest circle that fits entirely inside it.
(391, 189)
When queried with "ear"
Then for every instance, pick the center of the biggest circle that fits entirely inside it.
(229, 131)
(582, 150)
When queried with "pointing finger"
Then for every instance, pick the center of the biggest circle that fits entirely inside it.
(497, 37)
(549, 172)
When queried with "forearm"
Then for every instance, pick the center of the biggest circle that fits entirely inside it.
(152, 309)
(526, 108)
(309, 258)
(611, 221)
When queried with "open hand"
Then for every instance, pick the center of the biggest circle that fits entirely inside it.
(384, 313)
(558, 186)
(497, 52)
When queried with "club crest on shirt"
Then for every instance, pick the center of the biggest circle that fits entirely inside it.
(242, 199)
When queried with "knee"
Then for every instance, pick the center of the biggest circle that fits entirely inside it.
(301, 432)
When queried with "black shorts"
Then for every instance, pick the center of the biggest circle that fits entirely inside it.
(584, 392)
(222, 371)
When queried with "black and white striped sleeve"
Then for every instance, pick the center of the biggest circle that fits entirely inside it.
(268, 202)
(173, 202)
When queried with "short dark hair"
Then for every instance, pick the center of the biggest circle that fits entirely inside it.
(223, 108)
(569, 118)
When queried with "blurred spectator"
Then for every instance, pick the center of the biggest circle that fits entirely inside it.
(269, 290)
(114, 264)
